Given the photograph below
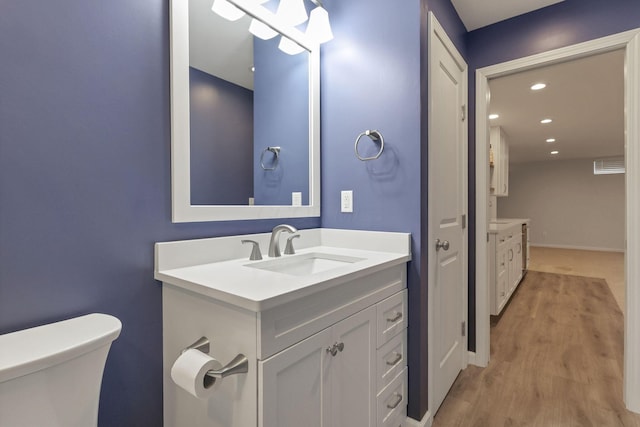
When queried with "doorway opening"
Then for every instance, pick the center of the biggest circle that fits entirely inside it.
(627, 41)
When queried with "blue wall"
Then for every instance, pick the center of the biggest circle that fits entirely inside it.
(281, 99)
(560, 25)
(85, 157)
(85, 178)
(372, 79)
(221, 141)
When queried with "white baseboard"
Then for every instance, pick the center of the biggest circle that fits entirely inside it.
(580, 248)
(426, 421)
(471, 358)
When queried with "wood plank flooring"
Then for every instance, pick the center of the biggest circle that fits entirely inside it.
(556, 360)
(606, 265)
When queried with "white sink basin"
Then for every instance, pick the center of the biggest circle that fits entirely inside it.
(305, 264)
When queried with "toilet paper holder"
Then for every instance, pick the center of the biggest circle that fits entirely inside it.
(238, 365)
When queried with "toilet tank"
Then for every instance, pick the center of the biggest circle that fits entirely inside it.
(50, 376)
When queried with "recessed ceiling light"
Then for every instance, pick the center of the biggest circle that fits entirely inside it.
(554, 152)
(493, 116)
(538, 86)
(545, 121)
(551, 140)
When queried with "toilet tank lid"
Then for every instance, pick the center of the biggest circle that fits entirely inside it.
(30, 350)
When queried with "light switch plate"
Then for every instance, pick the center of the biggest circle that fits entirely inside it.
(346, 201)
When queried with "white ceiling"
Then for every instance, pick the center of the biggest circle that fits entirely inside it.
(476, 14)
(219, 47)
(585, 99)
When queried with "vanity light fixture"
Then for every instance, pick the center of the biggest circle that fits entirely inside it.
(545, 121)
(292, 12)
(319, 27)
(226, 10)
(554, 153)
(289, 46)
(261, 30)
(493, 116)
(289, 14)
(550, 140)
(538, 86)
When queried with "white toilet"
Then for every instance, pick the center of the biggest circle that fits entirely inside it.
(50, 375)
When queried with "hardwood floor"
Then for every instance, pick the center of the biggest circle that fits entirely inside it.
(606, 265)
(556, 360)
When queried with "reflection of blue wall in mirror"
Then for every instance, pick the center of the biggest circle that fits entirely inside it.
(221, 141)
(281, 100)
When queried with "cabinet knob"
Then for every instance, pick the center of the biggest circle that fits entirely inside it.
(335, 348)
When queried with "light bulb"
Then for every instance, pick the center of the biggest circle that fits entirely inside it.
(292, 12)
(261, 30)
(227, 10)
(319, 28)
(290, 47)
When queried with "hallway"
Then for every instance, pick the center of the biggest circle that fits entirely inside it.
(556, 360)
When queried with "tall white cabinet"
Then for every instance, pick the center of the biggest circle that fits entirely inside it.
(499, 168)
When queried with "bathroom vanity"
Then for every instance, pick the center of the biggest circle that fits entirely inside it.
(509, 259)
(324, 329)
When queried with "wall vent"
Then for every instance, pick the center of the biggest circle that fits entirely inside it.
(608, 166)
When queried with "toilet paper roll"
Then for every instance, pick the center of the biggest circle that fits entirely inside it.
(189, 372)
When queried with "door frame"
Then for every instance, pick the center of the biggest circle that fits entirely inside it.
(435, 30)
(630, 41)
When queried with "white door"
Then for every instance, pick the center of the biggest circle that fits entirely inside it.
(294, 385)
(353, 371)
(447, 211)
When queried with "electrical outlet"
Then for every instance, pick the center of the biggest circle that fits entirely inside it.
(296, 198)
(346, 201)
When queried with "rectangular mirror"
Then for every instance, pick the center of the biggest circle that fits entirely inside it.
(245, 118)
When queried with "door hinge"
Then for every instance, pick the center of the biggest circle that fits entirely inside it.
(487, 237)
(464, 329)
(464, 221)
(464, 112)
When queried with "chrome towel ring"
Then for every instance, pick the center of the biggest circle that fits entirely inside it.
(276, 160)
(375, 137)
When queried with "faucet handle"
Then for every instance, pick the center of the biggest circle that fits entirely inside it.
(255, 252)
(288, 250)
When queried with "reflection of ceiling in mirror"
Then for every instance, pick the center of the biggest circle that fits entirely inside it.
(219, 47)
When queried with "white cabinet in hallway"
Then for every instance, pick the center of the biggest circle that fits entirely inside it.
(499, 168)
(506, 245)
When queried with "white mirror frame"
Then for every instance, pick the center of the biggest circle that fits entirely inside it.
(182, 209)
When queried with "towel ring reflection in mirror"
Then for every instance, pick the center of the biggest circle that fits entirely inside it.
(375, 137)
(274, 162)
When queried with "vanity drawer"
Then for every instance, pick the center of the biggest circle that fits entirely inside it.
(392, 401)
(391, 359)
(290, 323)
(392, 316)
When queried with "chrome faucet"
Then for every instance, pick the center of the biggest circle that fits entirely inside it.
(274, 244)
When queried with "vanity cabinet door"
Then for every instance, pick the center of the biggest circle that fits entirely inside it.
(354, 371)
(326, 380)
(295, 385)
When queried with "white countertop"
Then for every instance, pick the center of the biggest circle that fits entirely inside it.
(501, 224)
(235, 282)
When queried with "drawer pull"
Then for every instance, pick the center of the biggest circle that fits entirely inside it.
(395, 361)
(395, 404)
(395, 317)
